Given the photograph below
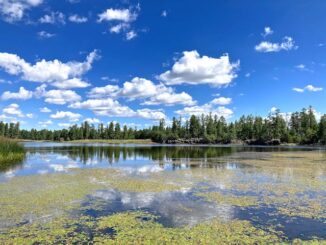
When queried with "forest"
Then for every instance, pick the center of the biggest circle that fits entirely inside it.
(298, 128)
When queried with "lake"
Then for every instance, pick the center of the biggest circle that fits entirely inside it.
(100, 193)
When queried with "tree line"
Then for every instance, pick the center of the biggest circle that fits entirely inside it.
(299, 127)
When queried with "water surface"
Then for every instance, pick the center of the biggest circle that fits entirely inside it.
(281, 190)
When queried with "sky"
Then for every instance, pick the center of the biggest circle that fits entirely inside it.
(63, 62)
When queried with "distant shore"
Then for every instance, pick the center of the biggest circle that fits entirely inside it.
(150, 142)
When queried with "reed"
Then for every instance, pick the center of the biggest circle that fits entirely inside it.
(11, 152)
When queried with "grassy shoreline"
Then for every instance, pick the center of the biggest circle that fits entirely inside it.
(11, 152)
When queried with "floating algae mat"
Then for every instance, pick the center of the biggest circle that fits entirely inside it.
(95, 193)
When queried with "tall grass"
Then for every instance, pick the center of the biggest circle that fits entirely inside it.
(11, 153)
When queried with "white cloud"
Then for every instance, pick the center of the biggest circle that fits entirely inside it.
(267, 47)
(300, 67)
(45, 110)
(102, 92)
(112, 108)
(44, 71)
(77, 19)
(170, 98)
(60, 97)
(44, 34)
(303, 67)
(206, 109)
(150, 114)
(71, 83)
(191, 68)
(121, 19)
(141, 88)
(22, 94)
(267, 31)
(92, 120)
(6, 118)
(13, 110)
(248, 74)
(14, 10)
(119, 27)
(221, 101)
(72, 117)
(131, 35)
(124, 15)
(309, 88)
(45, 124)
(53, 18)
(64, 125)
(106, 107)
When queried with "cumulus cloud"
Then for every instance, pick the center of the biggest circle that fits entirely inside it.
(13, 110)
(309, 88)
(208, 108)
(112, 108)
(92, 120)
(119, 28)
(77, 19)
(267, 31)
(102, 92)
(121, 19)
(124, 15)
(53, 18)
(141, 88)
(54, 72)
(194, 69)
(221, 101)
(22, 94)
(60, 97)
(45, 35)
(45, 110)
(45, 124)
(14, 10)
(267, 47)
(71, 83)
(131, 35)
(72, 117)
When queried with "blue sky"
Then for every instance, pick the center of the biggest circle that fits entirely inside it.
(66, 61)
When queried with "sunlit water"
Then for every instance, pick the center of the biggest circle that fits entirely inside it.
(184, 207)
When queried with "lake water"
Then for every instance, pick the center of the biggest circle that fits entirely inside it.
(278, 190)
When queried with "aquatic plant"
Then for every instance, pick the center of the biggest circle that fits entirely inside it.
(11, 152)
(134, 228)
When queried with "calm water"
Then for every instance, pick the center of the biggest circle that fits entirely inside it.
(43, 158)
(241, 164)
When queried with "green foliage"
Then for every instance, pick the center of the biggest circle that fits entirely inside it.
(300, 127)
(11, 152)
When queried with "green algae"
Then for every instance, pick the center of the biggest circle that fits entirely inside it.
(43, 196)
(135, 228)
(281, 180)
(240, 201)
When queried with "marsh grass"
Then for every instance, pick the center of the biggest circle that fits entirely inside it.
(11, 152)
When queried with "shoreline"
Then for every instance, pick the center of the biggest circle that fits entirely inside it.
(150, 142)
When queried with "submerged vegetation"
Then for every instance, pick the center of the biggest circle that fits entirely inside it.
(274, 189)
(299, 127)
(11, 152)
(135, 228)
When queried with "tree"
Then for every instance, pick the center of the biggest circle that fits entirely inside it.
(322, 130)
(194, 127)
